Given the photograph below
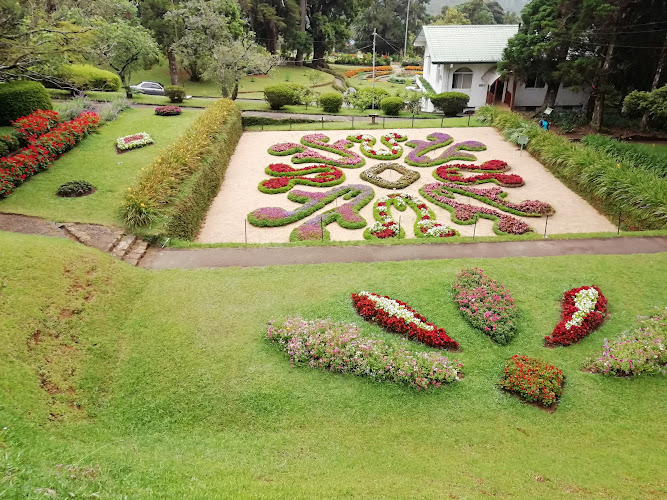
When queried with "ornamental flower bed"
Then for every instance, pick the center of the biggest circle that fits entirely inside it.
(392, 151)
(286, 177)
(417, 157)
(41, 152)
(534, 380)
(407, 177)
(396, 316)
(387, 227)
(486, 304)
(584, 309)
(340, 348)
(301, 154)
(451, 173)
(36, 123)
(133, 141)
(355, 72)
(168, 110)
(640, 351)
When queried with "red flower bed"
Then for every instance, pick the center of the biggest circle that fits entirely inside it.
(581, 316)
(397, 316)
(534, 380)
(451, 173)
(36, 123)
(38, 155)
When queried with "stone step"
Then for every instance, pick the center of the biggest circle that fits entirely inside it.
(136, 252)
(123, 246)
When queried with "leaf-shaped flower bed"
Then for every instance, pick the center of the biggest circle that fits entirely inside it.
(584, 309)
(396, 316)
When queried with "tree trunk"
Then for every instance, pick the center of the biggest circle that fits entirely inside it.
(319, 49)
(272, 42)
(550, 96)
(193, 71)
(235, 92)
(596, 120)
(299, 51)
(656, 81)
(173, 68)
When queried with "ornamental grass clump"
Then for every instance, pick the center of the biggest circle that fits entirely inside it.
(340, 348)
(636, 352)
(532, 379)
(486, 304)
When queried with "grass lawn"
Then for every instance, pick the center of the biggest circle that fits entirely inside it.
(122, 382)
(96, 161)
(314, 110)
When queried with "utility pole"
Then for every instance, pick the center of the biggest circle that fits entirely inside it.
(407, 21)
(375, 31)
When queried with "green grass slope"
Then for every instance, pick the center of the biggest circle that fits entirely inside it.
(160, 385)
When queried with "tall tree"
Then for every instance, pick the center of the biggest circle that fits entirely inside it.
(450, 15)
(329, 20)
(166, 29)
(479, 12)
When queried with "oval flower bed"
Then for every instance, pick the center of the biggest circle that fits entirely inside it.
(133, 141)
(398, 317)
(584, 309)
(339, 348)
(168, 110)
(533, 380)
(486, 304)
(640, 351)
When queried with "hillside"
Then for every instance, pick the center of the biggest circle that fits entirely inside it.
(435, 6)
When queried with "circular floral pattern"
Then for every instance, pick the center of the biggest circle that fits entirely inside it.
(372, 175)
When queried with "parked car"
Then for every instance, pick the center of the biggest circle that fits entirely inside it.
(150, 88)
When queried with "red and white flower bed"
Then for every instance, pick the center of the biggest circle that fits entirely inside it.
(397, 316)
(133, 141)
(426, 226)
(584, 309)
(391, 151)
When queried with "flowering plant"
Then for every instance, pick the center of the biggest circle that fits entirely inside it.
(636, 352)
(372, 175)
(486, 304)
(340, 348)
(286, 177)
(301, 154)
(451, 173)
(133, 141)
(584, 309)
(168, 110)
(417, 157)
(387, 227)
(534, 380)
(391, 140)
(35, 124)
(397, 316)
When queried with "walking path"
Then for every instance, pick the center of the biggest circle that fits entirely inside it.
(266, 256)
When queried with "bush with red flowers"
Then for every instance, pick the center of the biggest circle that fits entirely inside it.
(396, 316)
(584, 309)
(40, 152)
(532, 379)
(28, 128)
(168, 110)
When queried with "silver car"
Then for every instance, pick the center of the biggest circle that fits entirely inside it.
(149, 88)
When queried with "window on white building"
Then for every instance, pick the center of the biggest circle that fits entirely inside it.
(462, 79)
(427, 66)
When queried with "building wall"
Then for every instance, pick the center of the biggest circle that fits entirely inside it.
(441, 77)
(567, 96)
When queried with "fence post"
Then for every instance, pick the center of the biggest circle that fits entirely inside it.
(245, 230)
(474, 229)
(383, 122)
(322, 122)
(290, 123)
(322, 227)
(413, 120)
(399, 227)
(618, 233)
(546, 223)
(352, 122)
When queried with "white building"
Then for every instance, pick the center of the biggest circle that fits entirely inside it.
(464, 58)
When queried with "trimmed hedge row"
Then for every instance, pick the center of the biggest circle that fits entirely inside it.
(178, 187)
(639, 196)
(20, 98)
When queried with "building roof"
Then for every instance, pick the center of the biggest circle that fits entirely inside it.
(455, 43)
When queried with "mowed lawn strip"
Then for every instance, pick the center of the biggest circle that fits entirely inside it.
(180, 393)
(95, 160)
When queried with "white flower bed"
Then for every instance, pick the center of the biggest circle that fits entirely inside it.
(585, 301)
(393, 308)
(133, 141)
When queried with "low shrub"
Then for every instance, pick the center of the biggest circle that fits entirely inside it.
(73, 189)
(249, 121)
(337, 348)
(568, 119)
(635, 156)
(584, 309)
(450, 103)
(396, 316)
(8, 143)
(174, 93)
(368, 98)
(392, 105)
(532, 379)
(168, 111)
(636, 352)
(28, 128)
(87, 77)
(177, 188)
(331, 102)
(412, 62)
(20, 98)
(638, 195)
(486, 305)
(279, 96)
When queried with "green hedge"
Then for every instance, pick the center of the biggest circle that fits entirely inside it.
(638, 195)
(20, 98)
(392, 105)
(174, 93)
(87, 77)
(450, 103)
(279, 95)
(173, 194)
(331, 102)
(249, 121)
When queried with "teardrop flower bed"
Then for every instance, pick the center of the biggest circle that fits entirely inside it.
(339, 348)
(486, 304)
(534, 380)
(392, 151)
(641, 351)
(396, 316)
(133, 141)
(584, 309)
